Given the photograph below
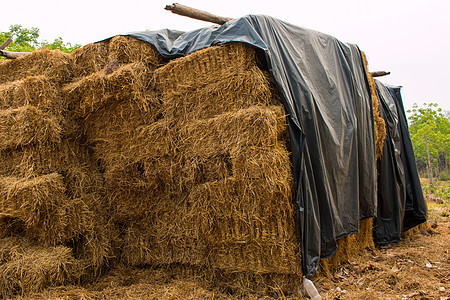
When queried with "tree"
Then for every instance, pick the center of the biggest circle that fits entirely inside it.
(430, 126)
(26, 40)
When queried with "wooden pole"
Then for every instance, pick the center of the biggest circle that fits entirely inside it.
(379, 73)
(5, 43)
(193, 13)
(9, 54)
(12, 55)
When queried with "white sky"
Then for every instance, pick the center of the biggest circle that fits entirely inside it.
(409, 38)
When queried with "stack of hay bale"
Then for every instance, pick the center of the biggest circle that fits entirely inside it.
(194, 157)
(228, 205)
(113, 152)
(50, 189)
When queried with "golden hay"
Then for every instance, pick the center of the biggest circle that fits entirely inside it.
(150, 175)
(97, 246)
(98, 90)
(380, 126)
(90, 58)
(157, 139)
(113, 134)
(229, 224)
(250, 87)
(40, 208)
(201, 68)
(41, 204)
(10, 226)
(27, 125)
(213, 81)
(252, 126)
(51, 63)
(94, 57)
(121, 119)
(39, 91)
(349, 247)
(67, 157)
(131, 204)
(177, 282)
(127, 49)
(174, 192)
(27, 267)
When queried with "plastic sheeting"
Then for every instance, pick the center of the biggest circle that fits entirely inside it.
(325, 93)
(401, 205)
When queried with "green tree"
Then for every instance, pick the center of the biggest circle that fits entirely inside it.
(429, 125)
(27, 39)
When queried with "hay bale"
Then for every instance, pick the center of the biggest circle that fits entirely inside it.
(94, 57)
(114, 132)
(39, 91)
(229, 224)
(156, 140)
(27, 125)
(90, 58)
(213, 81)
(245, 89)
(43, 93)
(91, 93)
(40, 210)
(26, 267)
(36, 202)
(201, 68)
(379, 124)
(67, 157)
(51, 63)
(208, 180)
(262, 126)
(43, 207)
(131, 204)
(243, 284)
(200, 155)
(127, 49)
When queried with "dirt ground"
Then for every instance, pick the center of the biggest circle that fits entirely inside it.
(418, 267)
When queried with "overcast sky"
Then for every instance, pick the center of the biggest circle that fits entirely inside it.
(409, 38)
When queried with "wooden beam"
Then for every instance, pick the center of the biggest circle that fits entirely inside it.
(193, 13)
(5, 43)
(12, 55)
(379, 73)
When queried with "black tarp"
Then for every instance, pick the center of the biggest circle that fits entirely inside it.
(401, 205)
(325, 93)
